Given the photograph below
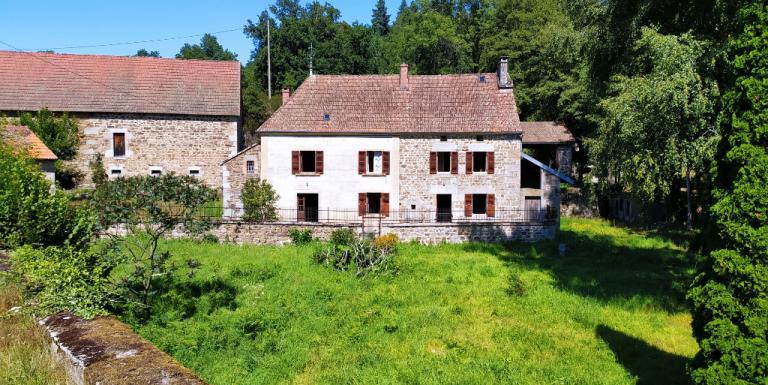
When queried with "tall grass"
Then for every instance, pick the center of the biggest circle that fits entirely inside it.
(608, 312)
(25, 356)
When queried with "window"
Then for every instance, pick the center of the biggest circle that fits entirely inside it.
(479, 161)
(250, 167)
(155, 171)
(307, 162)
(479, 203)
(480, 138)
(373, 203)
(443, 162)
(118, 144)
(374, 164)
(194, 171)
(115, 172)
(443, 138)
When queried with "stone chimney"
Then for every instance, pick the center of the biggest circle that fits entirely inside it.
(504, 80)
(403, 76)
(286, 95)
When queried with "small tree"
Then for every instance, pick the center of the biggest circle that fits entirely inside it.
(98, 173)
(259, 201)
(146, 208)
(60, 134)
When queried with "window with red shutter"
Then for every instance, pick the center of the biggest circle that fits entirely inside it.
(385, 163)
(491, 209)
(469, 162)
(433, 163)
(318, 162)
(467, 205)
(454, 163)
(491, 163)
(361, 203)
(295, 162)
(361, 162)
(385, 204)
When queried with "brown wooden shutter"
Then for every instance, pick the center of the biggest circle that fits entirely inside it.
(361, 203)
(454, 163)
(385, 204)
(490, 206)
(469, 162)
(490, 164)
(361, 162)
(318, 162)
(294, 162)
(467, 205)
(433, 162)
(385, 162)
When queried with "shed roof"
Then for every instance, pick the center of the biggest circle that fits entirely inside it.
(22, 136)
(546, 133)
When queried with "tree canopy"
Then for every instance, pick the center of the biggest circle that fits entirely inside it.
(208, 49)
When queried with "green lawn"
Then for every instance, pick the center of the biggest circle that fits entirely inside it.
(610, 312)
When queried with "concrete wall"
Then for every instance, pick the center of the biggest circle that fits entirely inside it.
(171, 143)
(340, 183)
(419, 187)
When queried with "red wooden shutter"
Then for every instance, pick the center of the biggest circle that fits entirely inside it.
(361, 162)
(490, 164)
(433, 163)
(385, 204)
(361, 203)
(385, 162)
(318, 162)
(454, 163)
(294, 162)
(490, 206)
(469, 162)
(467, 205)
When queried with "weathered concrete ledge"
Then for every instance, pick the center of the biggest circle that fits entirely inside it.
(105, 351)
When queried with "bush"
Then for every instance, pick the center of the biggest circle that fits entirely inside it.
(259, 201)
(387, 242)
(65, 279)
(98, 172)
(343, 237)
(362, 256)
(300, 236)
(30, 214)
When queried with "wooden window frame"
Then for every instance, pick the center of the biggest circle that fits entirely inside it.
(115, 146)
(363, 160)
(297, 161)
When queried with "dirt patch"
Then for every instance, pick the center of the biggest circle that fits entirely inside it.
(109, 352)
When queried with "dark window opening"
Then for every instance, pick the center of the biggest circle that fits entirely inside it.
(194, 172)
(443, 162)
(479, 203)
(326, 117)
(118, 144)
(307, 161)
(250, 167)
(479, 161)
(480, 138)
(306, 208)
(373, 205)
(413, 207)
(155, 172)
(444, 208)
(482, 78)
(116, 172)
(530, 175)
(443, 138)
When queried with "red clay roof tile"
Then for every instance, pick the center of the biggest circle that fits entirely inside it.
(22, 136)
(545, 133)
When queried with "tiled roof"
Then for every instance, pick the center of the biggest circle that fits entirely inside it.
(22, 136)
(376, 104)
(98, 83)
(545, 133)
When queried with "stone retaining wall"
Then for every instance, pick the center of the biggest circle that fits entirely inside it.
(429, 233)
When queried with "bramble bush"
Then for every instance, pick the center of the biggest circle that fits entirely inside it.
(300, 236)
(347, 252)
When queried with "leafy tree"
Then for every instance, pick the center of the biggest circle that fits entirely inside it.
(380, 18)
(208, 49)
(60, 133)
(144, 53)
(98, 172)
(259, 200)
(30, 214)
(730, 295)
(661, 123)
(147, 208)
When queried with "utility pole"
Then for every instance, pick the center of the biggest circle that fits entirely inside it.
(269, 63)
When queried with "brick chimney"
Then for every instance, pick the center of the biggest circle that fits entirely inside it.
(403, 76)
(504, 80)
(286, 95)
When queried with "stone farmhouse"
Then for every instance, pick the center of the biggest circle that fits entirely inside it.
(440, 149)
(145, 116)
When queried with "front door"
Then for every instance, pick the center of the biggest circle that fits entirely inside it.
(306, 207)
(444, 213)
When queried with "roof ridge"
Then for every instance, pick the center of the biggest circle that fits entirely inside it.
(136, 58)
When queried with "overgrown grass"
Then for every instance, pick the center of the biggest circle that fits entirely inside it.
(25, 356)
(609, 312)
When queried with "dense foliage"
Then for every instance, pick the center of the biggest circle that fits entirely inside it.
(348, 252)
(61, 135)
(730, 296)
(208, 49)
(30, 214)
(259, 200)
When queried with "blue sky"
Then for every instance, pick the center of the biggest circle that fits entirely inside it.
(34, 24)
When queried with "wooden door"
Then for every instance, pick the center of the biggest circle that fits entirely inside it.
(532, 209)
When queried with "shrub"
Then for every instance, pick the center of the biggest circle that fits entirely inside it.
(362, 256)
(387, 242)
(30, 214)
(343, 237)
(259, 201)
(210, 238)
(65, 279)
(98, 172)
(300, 236)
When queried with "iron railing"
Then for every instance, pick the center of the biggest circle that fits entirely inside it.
(341, 216)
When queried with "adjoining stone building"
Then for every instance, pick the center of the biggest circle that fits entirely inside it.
(145, 116)
(22, 137)
(440, 149)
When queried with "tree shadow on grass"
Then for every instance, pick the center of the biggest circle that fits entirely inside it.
(597, 266)
(650, 365)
